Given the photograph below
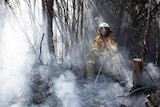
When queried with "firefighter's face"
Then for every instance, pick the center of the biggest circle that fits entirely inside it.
(104, 31)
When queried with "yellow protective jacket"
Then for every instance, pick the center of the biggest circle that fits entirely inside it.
(101, 45)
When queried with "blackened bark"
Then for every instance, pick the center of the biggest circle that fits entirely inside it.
(48, 13)
(144, 47)
(137, 72)
(119, 20)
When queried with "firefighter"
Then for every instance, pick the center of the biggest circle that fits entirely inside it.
(103, 49)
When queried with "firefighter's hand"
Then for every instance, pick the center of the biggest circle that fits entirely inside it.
(95, 52)
(114, 49)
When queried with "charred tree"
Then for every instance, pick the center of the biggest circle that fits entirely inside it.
(48, 14)
(144, 43)
(137, 72)
(120, 16)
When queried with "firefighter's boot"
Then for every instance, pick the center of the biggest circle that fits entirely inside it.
(90, 63)
(90, 70)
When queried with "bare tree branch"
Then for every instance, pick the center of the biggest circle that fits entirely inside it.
(144, 48)
(138, 89)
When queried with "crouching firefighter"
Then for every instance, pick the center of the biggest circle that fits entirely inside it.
(101, 56)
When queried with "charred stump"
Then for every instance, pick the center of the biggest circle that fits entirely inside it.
(137, 72)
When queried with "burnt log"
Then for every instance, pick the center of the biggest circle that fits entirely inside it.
(137, 72)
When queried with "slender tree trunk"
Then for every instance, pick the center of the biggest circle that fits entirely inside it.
(144, 47)
(157, 40)
(47, 6)
(49, 27)
(119, 20)
(48, 53)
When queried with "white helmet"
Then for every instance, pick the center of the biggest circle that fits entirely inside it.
(104, 25)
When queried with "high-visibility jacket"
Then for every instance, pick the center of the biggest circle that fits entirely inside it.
(101, 45)
(105, 54)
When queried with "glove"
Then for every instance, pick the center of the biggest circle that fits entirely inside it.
(114, 49)
(95, 52)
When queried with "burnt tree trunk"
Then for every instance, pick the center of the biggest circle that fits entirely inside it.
(119, 18)
(137, 72)
(49, 27)
(49, 13)
(144, 45)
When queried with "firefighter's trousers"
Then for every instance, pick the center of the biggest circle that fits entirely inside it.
(107, 64)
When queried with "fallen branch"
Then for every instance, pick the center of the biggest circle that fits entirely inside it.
(138, 89)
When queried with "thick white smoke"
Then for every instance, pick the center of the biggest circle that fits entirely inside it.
(153, 71)
(18, 37)
(15, 67)
(15, 62)
(66, 90)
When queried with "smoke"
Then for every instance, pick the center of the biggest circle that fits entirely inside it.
(153, 71)
(115, 66)
(15, 64)
(15, 68)
(114, 82)
(151, 75)
(14, 78)
(55, 86)
(65, 89)
(14, 88)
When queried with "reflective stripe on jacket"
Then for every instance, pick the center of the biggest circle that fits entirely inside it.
(101, 45)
